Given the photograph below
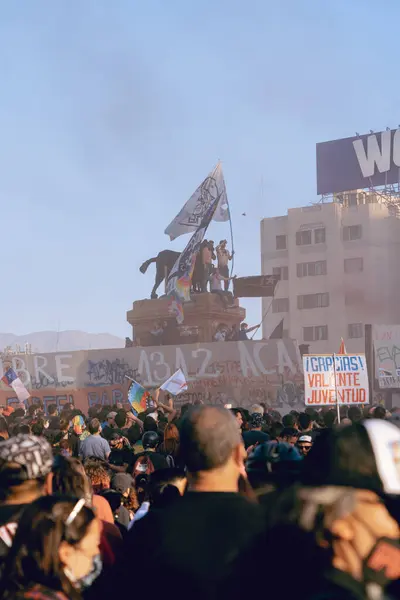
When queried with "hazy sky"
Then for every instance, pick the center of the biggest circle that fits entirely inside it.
(111, 114)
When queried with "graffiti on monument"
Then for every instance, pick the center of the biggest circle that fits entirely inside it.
(238, 372)
(386, 340)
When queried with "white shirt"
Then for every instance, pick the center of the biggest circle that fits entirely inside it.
(219, 336)
(216, 282)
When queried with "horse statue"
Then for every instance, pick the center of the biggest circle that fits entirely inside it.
(164, 260)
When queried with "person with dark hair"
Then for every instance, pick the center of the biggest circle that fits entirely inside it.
(289, 435)
(304, 423)
(355, 414)
(255, 435)
(54, 419)
(25, 468)
(237, 413)
(54, 550)
(276, 431)
(329, 418)
(379, 412)
(289, 420)
(94, 445)
(121, 457)
(200, 535)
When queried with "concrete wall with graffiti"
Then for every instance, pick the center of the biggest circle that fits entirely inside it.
(386, 340)
(237, 372)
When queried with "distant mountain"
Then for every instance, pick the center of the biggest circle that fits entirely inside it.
(61, 341)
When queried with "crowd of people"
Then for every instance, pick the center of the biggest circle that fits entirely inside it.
(199, 502)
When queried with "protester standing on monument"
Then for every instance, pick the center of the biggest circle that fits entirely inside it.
(224, 256)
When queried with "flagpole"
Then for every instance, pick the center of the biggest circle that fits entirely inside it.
(336, 394)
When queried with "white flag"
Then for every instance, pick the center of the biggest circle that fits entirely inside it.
(175, 384)
(191, 215)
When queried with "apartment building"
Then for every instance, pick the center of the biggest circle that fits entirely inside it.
(339, 264)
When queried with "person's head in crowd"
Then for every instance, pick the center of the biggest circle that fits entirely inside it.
(38, 427)
(356, 534)
(304, 444)
(69, 478)
(94, 411)
(166, 486)
(313, 414)
(94, 427)
(111, 419)
(171, 438)
(134, 433)
(65, 447)
(355, 414)
(19, 413)
(150, 440)
(289, 435)
(256, 421)
(120, 419)
(64, 424)
(22, 428)
(150, 424)
(295, 413)
(256, 408)
(4, 431)
(52, 410)
(212, 449)
(289, 420)
(25, 468)
(276, 431)
(33, 410)
(98, 475)
(273, 462)
(125, 485)
(304, 421)
(264, 407)
(329, 418)
(343, 411)
(237, 413)
(56, 543)
(380, 412)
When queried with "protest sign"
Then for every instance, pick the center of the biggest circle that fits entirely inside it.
(331, 379)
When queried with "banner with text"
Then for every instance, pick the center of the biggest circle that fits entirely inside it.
(331, 379)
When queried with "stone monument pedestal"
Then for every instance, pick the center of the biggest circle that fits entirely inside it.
(203, 315)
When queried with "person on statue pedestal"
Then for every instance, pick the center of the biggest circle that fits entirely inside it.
(207, 254)
(216, 288)
(224, 256)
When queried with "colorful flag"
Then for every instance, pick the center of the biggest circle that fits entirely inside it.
(342, 349)
(11, 379)
(180, 278)
(193, 212)
(137, 397)
(175, 384)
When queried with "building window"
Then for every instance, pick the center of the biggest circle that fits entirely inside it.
(280, 305)
(313, 301)
(353, 265)
(355, 330)
(319, 235)
(311, 268)
(352, 232)
(281, 242)
(282, 272)
(354, 297)
(304, 238)
(315, 333)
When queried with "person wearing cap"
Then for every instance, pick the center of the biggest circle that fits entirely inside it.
(94, 445)
(255, 435)
(25, 467)
(304, 444)
(109, 425)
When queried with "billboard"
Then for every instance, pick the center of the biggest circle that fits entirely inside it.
(358, 162)
(386, 339)
(331, 379)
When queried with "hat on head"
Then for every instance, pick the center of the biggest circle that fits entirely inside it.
(256, 420)
(121, 482)
(305, 438)
(32, 453)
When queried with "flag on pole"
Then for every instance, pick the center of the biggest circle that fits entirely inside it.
(180, 277)
(191, 215)
(137, 397)
(175, 384)
(277, 333)
(11, 379)
(342, 348)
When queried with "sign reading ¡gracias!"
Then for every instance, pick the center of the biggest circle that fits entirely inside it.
(331, 379)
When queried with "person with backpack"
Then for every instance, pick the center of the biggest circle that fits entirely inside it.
(149, 460)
